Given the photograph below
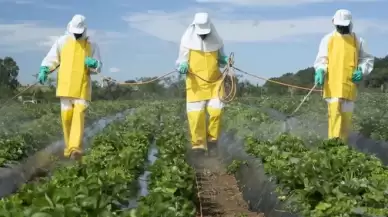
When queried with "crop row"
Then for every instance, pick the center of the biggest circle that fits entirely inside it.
(319, 178)
(370, 114)
(101, 185)
(38, 133)
(172, 189)
(17, 112)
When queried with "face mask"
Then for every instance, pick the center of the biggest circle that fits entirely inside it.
(343, 29)
(77, 36)
(203, 37)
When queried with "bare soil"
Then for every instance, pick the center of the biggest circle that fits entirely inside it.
(218, 192)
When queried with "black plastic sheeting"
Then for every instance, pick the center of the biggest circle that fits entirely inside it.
(257, 188)
(370, 146)
(144, 178)
(13, 177)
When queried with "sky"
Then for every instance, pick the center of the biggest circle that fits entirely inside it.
(269, 37)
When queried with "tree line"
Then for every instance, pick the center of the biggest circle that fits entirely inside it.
(376, 80)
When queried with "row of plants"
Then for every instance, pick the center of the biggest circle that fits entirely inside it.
(330, 180)
(102, 185)
(172, 186)
(17, 112)
(249, 119)
(38, 133)
(370, 114)
(51, 112)
(318, 178)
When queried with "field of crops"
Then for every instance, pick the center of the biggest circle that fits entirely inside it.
(28, 128)
(311, 176)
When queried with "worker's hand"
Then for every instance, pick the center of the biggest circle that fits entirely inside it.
(91, 63)
(318, 78)
(43, 73)
(357, 75)
(223, 60)
(183, 68)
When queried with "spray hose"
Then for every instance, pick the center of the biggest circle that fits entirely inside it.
(225, 96)
(228, 73)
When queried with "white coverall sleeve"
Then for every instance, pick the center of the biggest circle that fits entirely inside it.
(53, 58)
(96, 55)
(321, 59)
(183, 56)
(221, 52)
(365, 60)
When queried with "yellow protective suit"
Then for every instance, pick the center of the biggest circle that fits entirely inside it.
(73, 84)
(202, 96)
(339, 56)
(73, 117)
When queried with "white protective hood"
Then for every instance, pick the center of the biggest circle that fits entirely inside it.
(192, 41)
(77, 24)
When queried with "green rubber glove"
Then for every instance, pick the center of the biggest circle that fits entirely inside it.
(318, 78)
(43, 73)
(183, 68)
(91, 63)
(357, 75)
(223, 60)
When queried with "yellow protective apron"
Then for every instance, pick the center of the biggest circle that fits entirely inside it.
(205, 66)
(201, 91)
(342, 62)
(73, 78)
(74, 82)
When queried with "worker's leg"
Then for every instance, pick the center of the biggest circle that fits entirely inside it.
(347, 108)
(66, 116)
(334, 118)
(214, 109)
(77, 127)
(197, 124)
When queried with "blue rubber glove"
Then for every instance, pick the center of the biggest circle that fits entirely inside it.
(318, 78)
(91, 63)
(357, 75)
(43, 73)
(183, 68)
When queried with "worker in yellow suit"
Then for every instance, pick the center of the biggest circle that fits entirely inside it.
(341, 63)
(201, 55)
(77, 58)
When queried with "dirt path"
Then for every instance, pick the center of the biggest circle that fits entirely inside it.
(219, 193)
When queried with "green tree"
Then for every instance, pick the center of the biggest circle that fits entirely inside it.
(9, 71)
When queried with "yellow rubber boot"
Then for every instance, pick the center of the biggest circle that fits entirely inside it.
(214, 127)
(66, 116)
(77, 130)
(335, 120)
(197, 124)
(346, 126)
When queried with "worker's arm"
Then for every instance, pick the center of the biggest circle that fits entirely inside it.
(365, 60)
(183, 56)
(53, 58)
(96, 55)
(321, 59)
